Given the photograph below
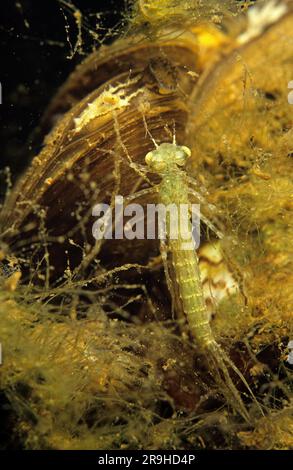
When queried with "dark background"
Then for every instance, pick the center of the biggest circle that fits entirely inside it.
(34, 62)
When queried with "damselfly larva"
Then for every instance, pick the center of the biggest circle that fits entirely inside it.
(168, 160)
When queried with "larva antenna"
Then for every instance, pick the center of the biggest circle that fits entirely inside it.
(148, 131)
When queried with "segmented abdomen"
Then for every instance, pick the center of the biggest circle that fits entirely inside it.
(186, 269)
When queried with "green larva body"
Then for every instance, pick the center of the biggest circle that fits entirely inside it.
(166, 161)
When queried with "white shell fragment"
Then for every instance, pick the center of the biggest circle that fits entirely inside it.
(218, 282)
(109, 101)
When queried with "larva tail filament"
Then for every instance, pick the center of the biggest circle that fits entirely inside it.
(220, 362)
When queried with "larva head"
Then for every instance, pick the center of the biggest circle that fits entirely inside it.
(166, 156)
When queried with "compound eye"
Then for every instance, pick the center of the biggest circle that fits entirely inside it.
(182, 154)
(149, 158)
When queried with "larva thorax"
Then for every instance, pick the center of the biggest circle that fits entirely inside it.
(166, 161)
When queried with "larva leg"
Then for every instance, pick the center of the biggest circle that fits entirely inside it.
(209, 224)
(192, 182)
(136, 186)
(201, 198)
(143, 192)
(141, 170)
(200, 195)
